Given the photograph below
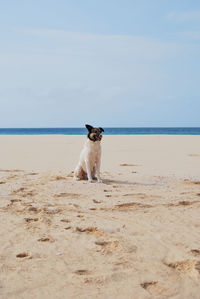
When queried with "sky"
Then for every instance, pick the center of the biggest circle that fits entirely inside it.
(110, 63)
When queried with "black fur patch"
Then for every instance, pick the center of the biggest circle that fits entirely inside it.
(89, 128)
(94, 134)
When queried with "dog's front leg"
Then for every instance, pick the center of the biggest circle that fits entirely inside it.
(77, 172)
(89, 173)
(98, 164)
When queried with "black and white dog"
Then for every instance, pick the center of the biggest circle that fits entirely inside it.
(90, 158)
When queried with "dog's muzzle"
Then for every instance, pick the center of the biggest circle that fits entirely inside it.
(100, 137)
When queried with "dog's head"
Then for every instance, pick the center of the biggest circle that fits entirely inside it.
(94, 134)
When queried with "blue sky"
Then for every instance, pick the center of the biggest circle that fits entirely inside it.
(109, 63)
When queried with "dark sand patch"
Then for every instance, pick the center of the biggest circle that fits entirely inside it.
(22, 255)
(132, 204)
(182, 203)
(195, 252)
(90, 230)
(71, 195)
(183, 266)
(127, 164)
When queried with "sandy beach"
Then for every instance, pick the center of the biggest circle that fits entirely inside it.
(136, 235)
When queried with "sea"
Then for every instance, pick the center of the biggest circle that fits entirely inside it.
(108, 131)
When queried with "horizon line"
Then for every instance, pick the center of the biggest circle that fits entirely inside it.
(135, 127)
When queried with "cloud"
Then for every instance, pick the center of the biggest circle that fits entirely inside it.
(188, 16)
(61, 78)
(62, 41)
(193, 35)
(170, 15)
(106, 64)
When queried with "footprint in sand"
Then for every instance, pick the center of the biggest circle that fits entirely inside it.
(191, 182)
(187, 203)
(51, 211)
(24, 192)
(108, 247)
(127, 205)
(80, 216)
(75, 205)
(19, 190)
(186, 266)
(182, 203)
(197, 266)
(13, 176)
(15, 200)
(71, 195)
(31, 219)
(112, 244)
(93, 281)
(124, 264)
(126, 164)
(65, 220)
(155, 288)
(96, 201)
(22, 255)
(68, 227)
(82, 272)
(11, 170)
(90, 230)
(195, 252)
(46, 239)
(137, 195)
(147, 284)
(32, 173)
(34, 209)
(58, 178)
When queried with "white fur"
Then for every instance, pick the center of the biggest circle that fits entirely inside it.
(89, 162)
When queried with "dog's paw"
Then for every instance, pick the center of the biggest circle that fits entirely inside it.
(99, 180)
(76, 178)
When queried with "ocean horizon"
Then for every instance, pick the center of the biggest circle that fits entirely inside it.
(108, 131)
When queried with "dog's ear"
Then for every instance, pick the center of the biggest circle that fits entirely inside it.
(102, 130)
(89, 127)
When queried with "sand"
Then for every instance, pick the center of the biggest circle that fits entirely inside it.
(136, 235)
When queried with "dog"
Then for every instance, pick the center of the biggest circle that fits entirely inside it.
(90, 157)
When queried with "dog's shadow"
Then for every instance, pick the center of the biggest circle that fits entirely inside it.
(120, 182)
